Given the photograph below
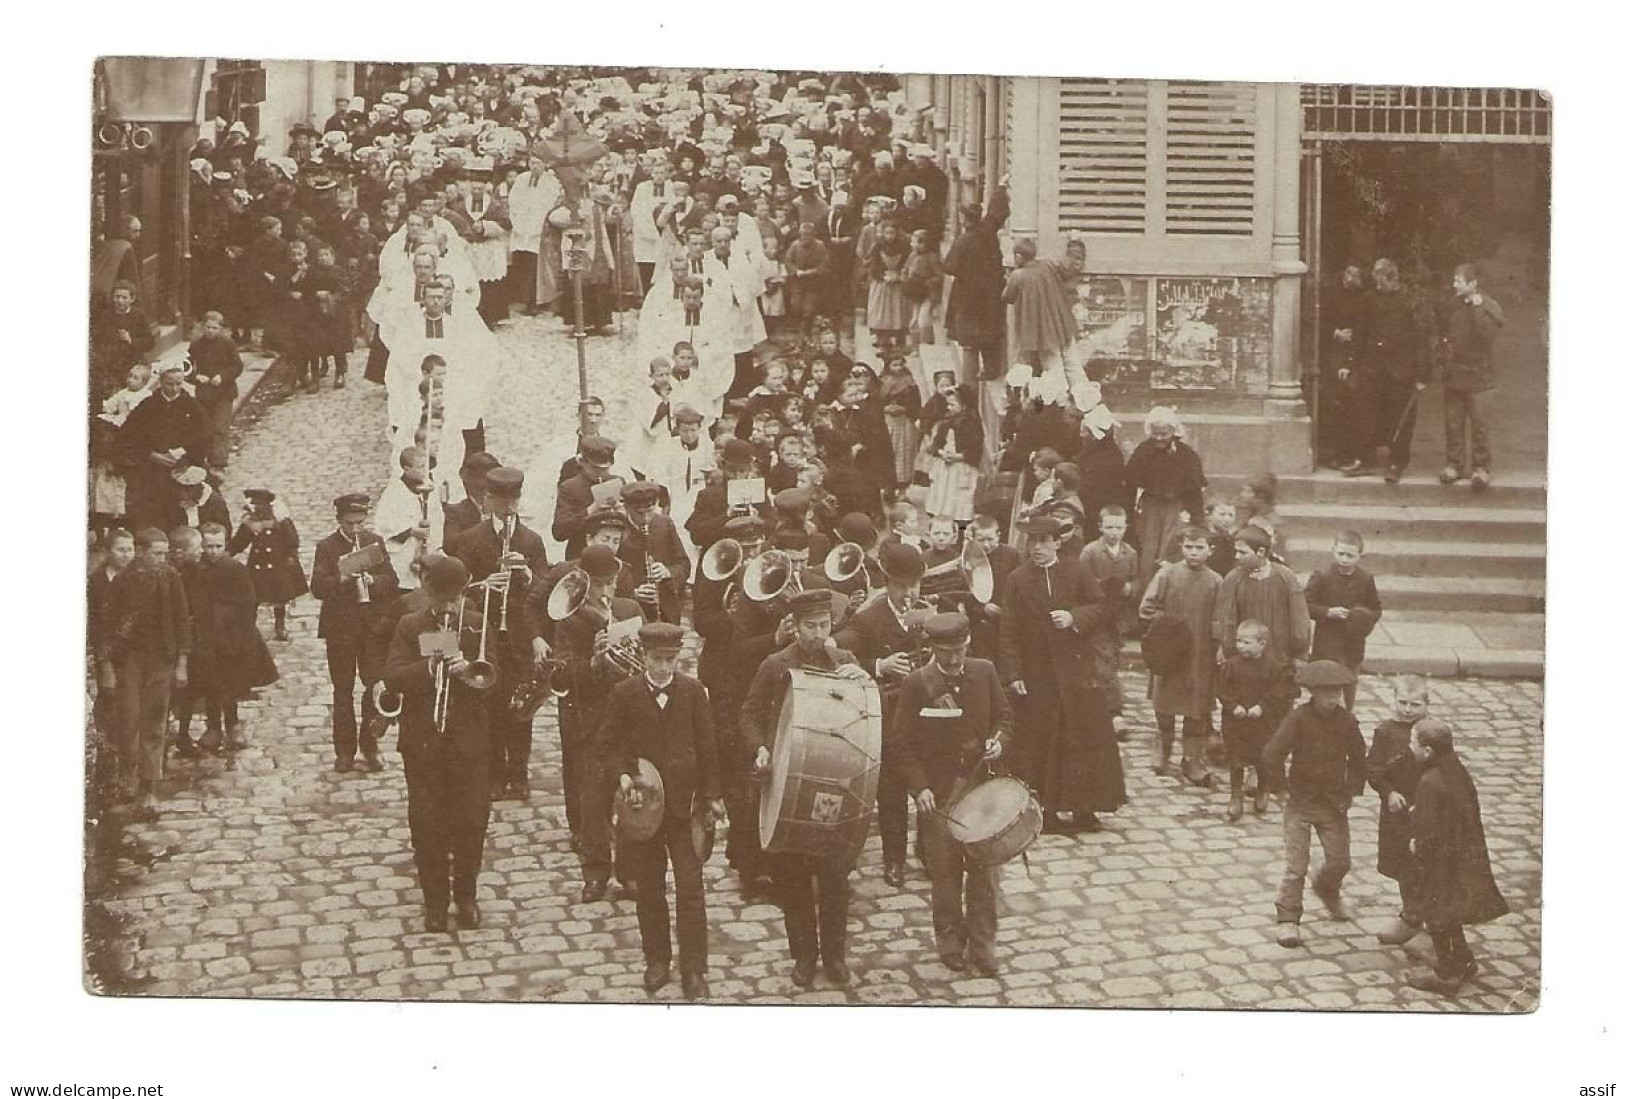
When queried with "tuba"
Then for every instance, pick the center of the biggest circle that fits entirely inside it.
(771, 575)
(724, 558)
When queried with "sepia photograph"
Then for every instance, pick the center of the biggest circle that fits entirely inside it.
(610, 534)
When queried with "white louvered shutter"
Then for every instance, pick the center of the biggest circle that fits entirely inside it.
(1212, 131)
(1103, 155)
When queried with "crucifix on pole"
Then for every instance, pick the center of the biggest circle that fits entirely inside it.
(571, 150)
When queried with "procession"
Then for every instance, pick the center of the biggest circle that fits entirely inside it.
(833, 533)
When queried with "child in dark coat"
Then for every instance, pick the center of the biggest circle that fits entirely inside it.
(1457, 885)
(1345, 608)
(1254, 696)
(1393, 773)
(1322, 740)
(272, 542)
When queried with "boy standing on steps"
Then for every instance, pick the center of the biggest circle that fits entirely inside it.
(1345, 608)
(1327, 754)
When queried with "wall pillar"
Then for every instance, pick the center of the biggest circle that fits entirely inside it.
(1025, 146)
(1288, 443)
(1286, 252)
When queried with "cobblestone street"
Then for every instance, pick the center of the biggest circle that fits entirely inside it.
(281, 878)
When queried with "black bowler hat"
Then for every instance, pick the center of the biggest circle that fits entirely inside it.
(600, 562)
(445, 575)
(901, 561)
(858, 527)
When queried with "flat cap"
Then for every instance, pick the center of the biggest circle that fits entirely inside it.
(640, 492)
(1325, 673)
(505, 481)
(597, 450)
(805, 604)
(948, 629)
(745, 528)
(352, 502)
(660, 637)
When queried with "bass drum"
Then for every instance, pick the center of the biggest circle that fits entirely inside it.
(826, 767)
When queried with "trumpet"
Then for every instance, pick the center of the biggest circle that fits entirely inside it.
(188, 369)
(508, 526)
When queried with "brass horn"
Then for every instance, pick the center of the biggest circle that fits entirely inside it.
(771, 575)
(844, 562)
(380, 694)
(110, 135)
(482, 674)
(971, 572)
(142, 137)
(722, 560)
(568, 594)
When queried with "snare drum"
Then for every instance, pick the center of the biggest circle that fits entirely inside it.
(995, 820)
(826, 767)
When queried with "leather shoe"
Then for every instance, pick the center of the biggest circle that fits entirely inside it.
(984, 967)
(1287, 935)
(210, 741)
(655, 976)
(1088, 822)
(838, 974)
(236, 739)
(955, 962)
(371, 762)
(802, 974)
(895, 874)
(519, 789)
(434, 921)
(695, 987)
(1054, 825)
(593, 891)
(1393, 475)
(344, 766)
(186, 747)
(1426, 980)
(468, 916)
(627, 890)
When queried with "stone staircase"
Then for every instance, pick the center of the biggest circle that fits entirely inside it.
(1462, 574)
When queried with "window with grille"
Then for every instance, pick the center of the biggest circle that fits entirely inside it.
(1211, 133)
(1158, 158)
(1104, 155)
